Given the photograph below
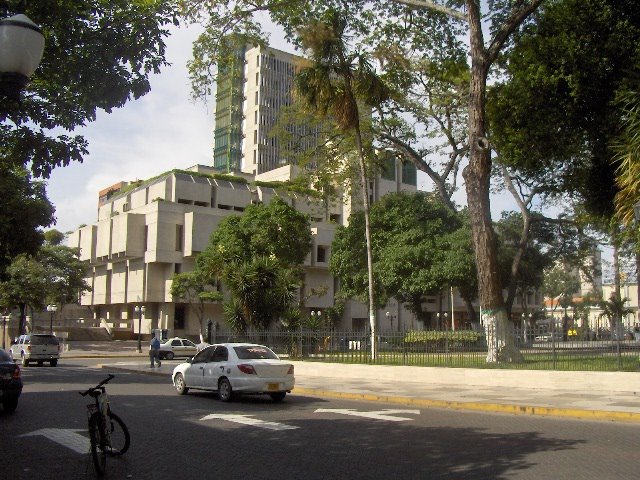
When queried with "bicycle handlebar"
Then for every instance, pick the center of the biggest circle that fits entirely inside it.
(92, 389)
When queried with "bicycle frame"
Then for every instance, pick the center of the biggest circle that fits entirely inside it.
(102, 425)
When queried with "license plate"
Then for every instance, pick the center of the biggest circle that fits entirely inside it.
(273, 386)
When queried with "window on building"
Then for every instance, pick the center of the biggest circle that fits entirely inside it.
(179, 316)
(177, 268)
(179, 234)
(321, 254)
(146, 238)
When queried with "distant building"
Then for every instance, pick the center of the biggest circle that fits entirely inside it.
(253, 86)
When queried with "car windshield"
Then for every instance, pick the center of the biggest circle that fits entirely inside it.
(254, 352)
(44, 340)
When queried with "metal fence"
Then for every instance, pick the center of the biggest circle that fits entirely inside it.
(538, 349)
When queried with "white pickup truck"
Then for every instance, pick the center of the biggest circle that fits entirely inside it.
(36, 347)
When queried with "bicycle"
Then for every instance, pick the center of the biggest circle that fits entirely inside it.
(108, 434)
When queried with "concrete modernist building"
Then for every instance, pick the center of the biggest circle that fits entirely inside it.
(150, 230)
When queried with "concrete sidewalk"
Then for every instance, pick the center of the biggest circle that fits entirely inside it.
(613, 396)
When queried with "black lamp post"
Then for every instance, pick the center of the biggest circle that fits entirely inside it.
(140, 312)
(21, 48)
(52, 311)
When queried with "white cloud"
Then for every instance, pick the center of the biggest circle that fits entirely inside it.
(161, 131)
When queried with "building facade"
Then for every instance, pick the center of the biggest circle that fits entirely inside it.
(253, 86)
(148, 231)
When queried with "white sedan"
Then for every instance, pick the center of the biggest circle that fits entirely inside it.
(230, 368)
(177, 347)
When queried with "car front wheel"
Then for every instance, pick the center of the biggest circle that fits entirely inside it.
(169, 355)
(225, 392)
(181, 386)
(10, 404)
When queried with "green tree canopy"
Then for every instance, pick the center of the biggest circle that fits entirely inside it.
(555, 115)
(419, 247)
(24, 211)
(259, 256)
(98, 55)
(25, 286)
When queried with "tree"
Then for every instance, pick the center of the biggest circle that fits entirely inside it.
(419, 247)
(195, 288)
(560, 285)
(24, 210)
(222, 18)
(561, 118)
(335, 82)
(505, 20)
(532, 258)
(262, 290)
(98, 55)
(627, 150)
(24, 287)
(259, 256)
(614, 310)
(65, 273)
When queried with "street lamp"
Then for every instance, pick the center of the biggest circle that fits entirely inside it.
(51, 308)
(139, 312)
(21, 48)
(390, 318)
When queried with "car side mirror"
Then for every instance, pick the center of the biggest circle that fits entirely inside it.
(189, 360)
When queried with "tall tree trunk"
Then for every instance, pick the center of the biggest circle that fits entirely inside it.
(617, 287)
(367, 234)
(493, 316)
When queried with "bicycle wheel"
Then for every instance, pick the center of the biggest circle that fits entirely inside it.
(98, 443)
(120, 438)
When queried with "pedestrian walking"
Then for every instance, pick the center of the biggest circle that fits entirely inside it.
(154, 351)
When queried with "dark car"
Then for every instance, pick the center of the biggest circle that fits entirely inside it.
(10, 382)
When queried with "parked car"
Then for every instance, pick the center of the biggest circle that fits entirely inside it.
(234, 368)
(36, 347)
(549, 336)
(10, 382)
(177, 347)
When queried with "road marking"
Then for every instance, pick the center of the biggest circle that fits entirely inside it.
(248, 420)
(387, 414)
(65, 437)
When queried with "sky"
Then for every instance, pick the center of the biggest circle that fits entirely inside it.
(161, 131)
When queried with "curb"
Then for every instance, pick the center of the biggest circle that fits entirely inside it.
(574, 413)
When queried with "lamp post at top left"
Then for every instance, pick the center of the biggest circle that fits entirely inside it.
(21, 49)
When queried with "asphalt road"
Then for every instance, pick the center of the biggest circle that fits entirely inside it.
(196, 436)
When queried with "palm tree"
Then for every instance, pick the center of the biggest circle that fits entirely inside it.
(614, 310)
(334, 84)
(628, 158)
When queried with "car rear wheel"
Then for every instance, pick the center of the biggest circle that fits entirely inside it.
(278, 396)
(225, 392)
(169, 356)
(10, 404)
(53, 363)
(181, 386)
